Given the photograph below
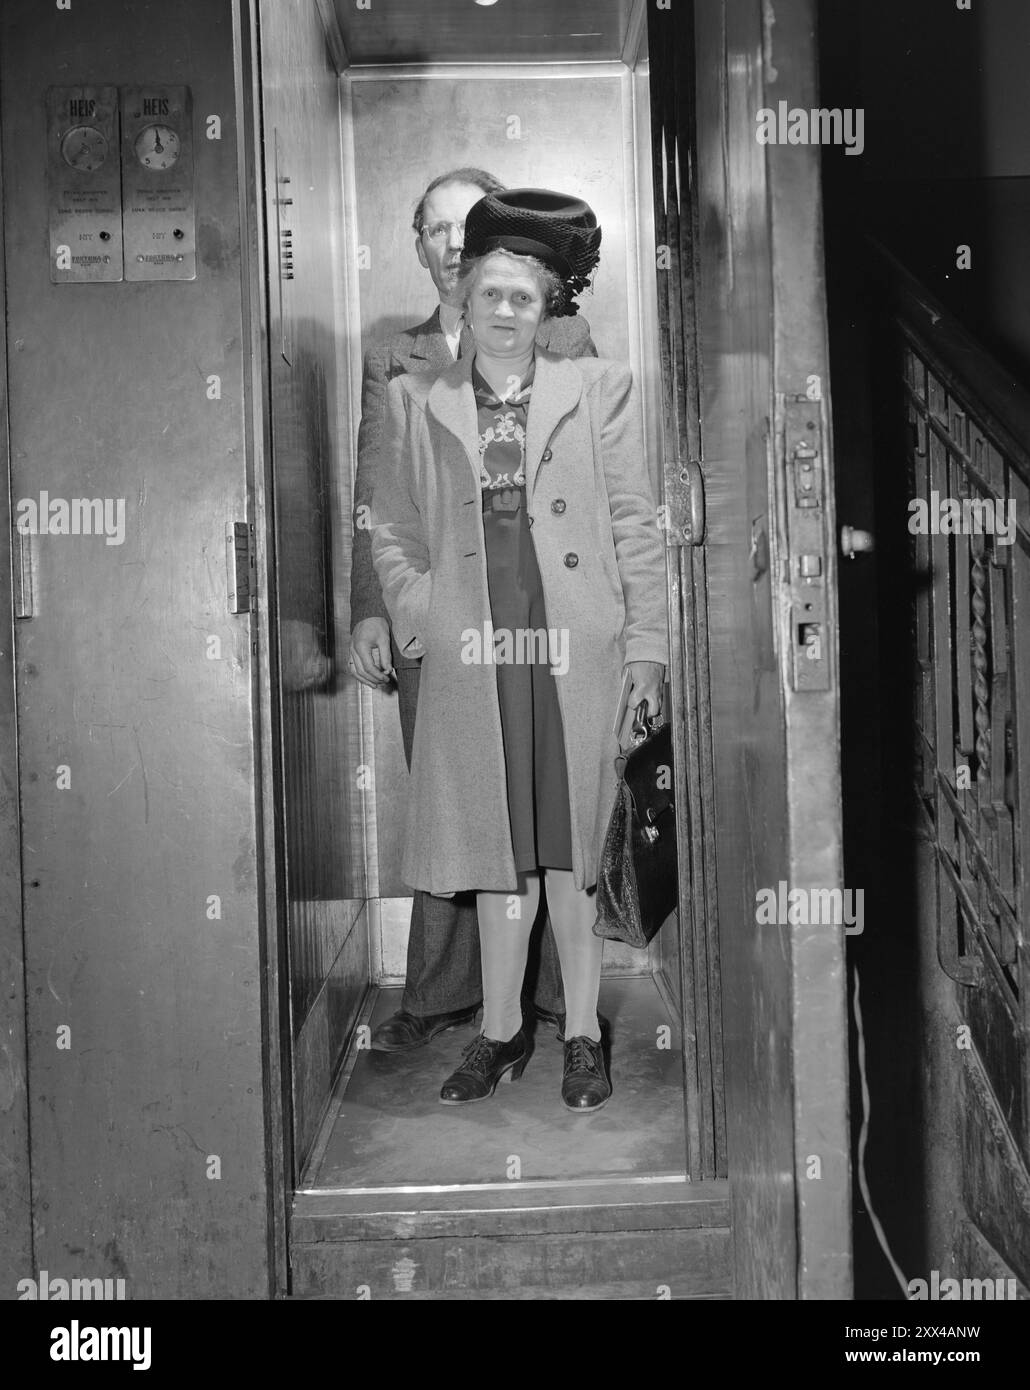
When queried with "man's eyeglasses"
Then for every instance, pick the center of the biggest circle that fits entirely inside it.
(438, 231)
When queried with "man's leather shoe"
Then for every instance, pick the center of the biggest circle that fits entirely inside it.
(403, 1031)
(486, 1061)
(585, 1085)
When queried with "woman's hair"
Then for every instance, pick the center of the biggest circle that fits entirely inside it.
(552, 287)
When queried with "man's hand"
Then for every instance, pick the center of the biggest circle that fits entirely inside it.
(370, 652)
(646, 681)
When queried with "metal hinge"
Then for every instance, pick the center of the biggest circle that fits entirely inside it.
(684, 510)
(241, 566)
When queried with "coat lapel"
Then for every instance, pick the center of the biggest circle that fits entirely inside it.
(452, 402)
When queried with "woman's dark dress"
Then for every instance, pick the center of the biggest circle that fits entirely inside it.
(534, 749)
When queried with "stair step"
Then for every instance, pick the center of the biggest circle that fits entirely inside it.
(613, 1239)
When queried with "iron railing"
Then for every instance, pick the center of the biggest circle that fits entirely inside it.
(968, 461)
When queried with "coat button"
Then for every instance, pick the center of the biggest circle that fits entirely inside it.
(546, 456)
(558, 506)
(571, 560)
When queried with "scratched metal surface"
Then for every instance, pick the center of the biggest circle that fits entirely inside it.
(15, 1192)
(108, 399)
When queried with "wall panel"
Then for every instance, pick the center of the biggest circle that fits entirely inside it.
(140, 858)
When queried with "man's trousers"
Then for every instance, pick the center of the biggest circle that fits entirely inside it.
(443, 968)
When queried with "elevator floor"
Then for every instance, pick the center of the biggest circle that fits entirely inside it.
(387, 1129)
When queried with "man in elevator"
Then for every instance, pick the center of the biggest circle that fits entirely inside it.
(443, 984)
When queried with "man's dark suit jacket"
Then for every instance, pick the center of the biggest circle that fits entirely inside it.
(421, 349)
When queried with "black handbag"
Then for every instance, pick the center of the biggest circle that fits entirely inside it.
(637, 882)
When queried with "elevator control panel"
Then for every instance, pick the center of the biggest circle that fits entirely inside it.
(120, 183)
(84, 184)
(160, 219)
(284, 212)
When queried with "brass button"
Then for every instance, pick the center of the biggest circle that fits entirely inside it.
(558, 506)
(546, 456)
(571, 560)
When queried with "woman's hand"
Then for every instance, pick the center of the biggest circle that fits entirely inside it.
(646, 681)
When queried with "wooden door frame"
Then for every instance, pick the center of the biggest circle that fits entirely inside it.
(812, 718)
(765, 374)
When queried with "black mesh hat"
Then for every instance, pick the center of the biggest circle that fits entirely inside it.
(558, 230)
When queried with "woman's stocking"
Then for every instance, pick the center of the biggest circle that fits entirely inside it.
(505, 925)
(573, 912)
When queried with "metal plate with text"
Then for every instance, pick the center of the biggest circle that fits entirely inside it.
(83, 184)
(160, 223)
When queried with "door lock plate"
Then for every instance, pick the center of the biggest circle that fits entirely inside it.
(802, 479)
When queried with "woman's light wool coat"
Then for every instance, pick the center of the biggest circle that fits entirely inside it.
(602, 564)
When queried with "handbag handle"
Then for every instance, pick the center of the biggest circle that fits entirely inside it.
(640, 733)
(641, 722)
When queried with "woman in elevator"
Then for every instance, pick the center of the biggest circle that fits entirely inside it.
(516, 541)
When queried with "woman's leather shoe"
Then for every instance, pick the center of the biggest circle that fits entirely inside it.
(584, 1085)
(486, 1062)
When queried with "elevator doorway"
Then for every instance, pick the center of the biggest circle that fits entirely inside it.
(728, 1036)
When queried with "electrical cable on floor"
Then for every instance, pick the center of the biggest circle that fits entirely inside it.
(863, 1136)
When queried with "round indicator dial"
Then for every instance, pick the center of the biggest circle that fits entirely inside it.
(84, 147)
(157, 147)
